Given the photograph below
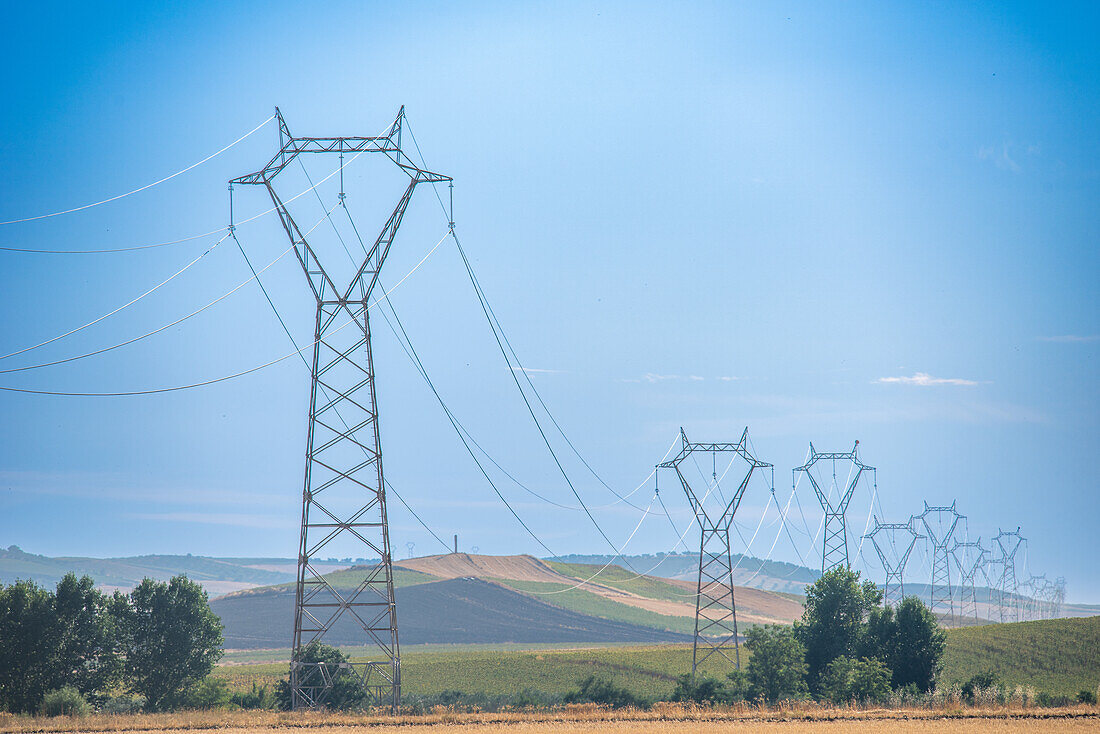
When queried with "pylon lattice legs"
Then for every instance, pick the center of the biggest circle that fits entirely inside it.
(344, 507)
(940, 596)
(835, 549)
(715, 610)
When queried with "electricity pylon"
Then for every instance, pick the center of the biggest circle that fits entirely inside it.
(344, 496)
(970, 558)
(834, 553)
(1008, 585)
(715, 608)
(940, 523)
(893, 561)
(1033, 607)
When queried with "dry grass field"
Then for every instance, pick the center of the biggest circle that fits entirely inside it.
(802, 719)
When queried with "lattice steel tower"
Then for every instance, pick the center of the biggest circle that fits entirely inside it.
(940, 523)
(1007, 585)
(834, 551)
(893, 561)
(970, 557)
(343, 497)
(715, 608)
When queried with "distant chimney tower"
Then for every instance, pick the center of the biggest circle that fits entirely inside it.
(456, 543)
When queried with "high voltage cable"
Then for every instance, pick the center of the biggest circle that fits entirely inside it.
(143, 188)
(493, 318)
(184, 239)
(225, 378)
(618, 554)
(167, 280)
(504, 353)
(155, 331)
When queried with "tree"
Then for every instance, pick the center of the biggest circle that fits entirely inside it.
(701, 690)
(847, 679)
(26, 614)
(54, 640)
(602, 691)
(170, 638)
(919, 645)
(832, 623)
(86, 636)
(909, 641)
(777, 668)
(347, 691)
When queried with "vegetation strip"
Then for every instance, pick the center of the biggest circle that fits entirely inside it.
(202, 721)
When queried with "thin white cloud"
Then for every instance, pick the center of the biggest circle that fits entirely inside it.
(923, 379)
(1000, 158)
(728, 378)
(538, 371)
(1070, 338)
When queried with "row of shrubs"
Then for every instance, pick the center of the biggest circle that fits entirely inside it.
(983, 689)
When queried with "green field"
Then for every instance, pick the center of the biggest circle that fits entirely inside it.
(1054, 656)
(585, 602)
(619, 578)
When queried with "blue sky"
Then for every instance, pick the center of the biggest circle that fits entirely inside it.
(870, 221)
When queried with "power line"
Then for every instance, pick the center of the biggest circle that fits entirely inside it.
(142, 188)
(226, 378)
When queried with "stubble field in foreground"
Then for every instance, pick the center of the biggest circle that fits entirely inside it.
(587, 718)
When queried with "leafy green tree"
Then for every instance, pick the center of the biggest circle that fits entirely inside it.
(600, 690)
(54, 640)
(86, 636)
(909, 641)
(347, 692)
(702, 690)
(170, 638)
(777, 668)
(847, 679)
(26, 616)
(832, 623)
(65, 701)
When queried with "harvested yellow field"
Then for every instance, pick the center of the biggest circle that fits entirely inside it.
(586, 718)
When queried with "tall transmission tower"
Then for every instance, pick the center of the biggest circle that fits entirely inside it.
(892, 559)
(940, 523)
(1008, 585)
(970, 558)
(715, 607)
(1033, 604)
(343, 496)
(834, 495)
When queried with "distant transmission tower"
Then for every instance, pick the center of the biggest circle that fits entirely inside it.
(893, 560)
(1008, 586)
(344, 497)
(834, 552)
(715, 609)
(970, 558)
(940, 523)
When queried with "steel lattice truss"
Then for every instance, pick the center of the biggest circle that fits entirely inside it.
(940, 523)
(715, 607)
(834, 553)
(893, 561)
(1007, 584)
(970, 557)
(344, 498)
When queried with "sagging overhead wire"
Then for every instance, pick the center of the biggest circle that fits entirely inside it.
(235, 375)
(491, 315)
(107, 315)
(183, 239)
(155, 331)
(142, 188)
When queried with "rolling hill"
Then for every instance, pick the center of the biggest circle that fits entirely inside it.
(556, 601)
